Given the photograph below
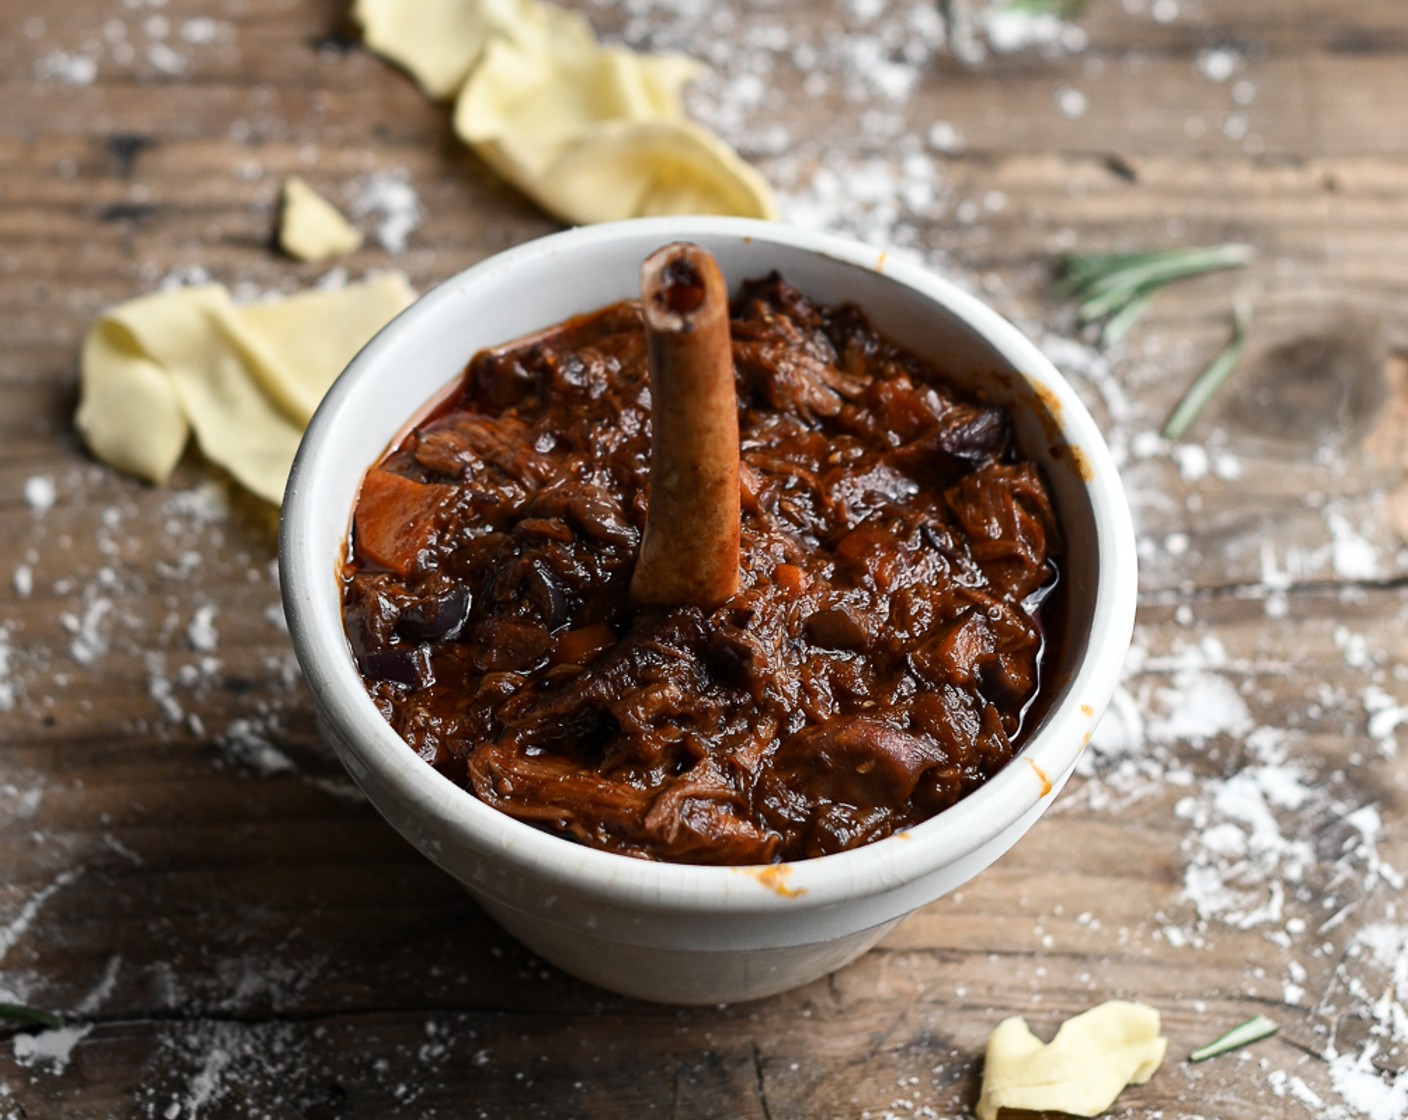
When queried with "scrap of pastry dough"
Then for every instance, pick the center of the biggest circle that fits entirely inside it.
(243, 380)
(311, 228)
(1079, 1072)
(591, 133)
(437, 41)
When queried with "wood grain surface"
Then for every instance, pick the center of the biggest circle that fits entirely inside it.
(228, 929)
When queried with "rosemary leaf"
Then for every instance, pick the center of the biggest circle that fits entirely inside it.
(1124, 274)
(1118, 325)
(1253, 1030)
(1118, 285)
(1062, 9)
(15, 1013)
(1205, 387)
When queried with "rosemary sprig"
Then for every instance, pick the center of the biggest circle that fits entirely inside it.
(1117, 287)
(1062, 9)
(1207, 383)
(1253, 1030)
(1118, 325)
(953, 15)
(17, 1013)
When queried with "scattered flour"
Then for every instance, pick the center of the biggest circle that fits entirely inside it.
(51, 1049)
(1240, 862)
(89, 631)
(201, 634)
(389, 197)
(1071, 102)
(1192, 459)
(100, 992)
(1354, 557)
(1165, 11)
(205, 504)
(39, 493)
(1366, 1089)
(1009, 28)
(7, 684)
(1371, 1075)
(246, 743)
(1286, 1085)
(16, 927)
(200, 31)
(165, 59)
(162, 689)
(1195, 707)
(274, 615)
(1218, 64)
(66, 68)
(182, 276)
(944, 137)
(1386, 715)
(136, 37)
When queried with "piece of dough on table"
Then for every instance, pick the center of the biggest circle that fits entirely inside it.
(598, 134)
(1081, 1071)
(311, 228)
(245, 380)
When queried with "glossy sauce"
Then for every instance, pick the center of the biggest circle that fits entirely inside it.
(885, 646)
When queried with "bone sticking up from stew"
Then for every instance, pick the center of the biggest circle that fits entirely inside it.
(689, 552)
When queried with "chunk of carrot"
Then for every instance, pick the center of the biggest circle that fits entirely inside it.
(581, 645)
(789, 579)
(395, 520)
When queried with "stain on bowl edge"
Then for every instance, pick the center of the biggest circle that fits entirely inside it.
(774, 878)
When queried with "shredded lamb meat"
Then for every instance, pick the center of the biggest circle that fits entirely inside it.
(875, 666)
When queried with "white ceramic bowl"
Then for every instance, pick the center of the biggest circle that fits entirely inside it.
(657, 930)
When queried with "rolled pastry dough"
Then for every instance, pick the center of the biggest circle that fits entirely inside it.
(591, 133)
(1079, 1072)
(311, 228)
(129, 411)
(244, 379)
(437, 41)
(651, 168)
(300, 344)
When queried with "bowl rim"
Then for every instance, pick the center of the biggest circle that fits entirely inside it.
(1000, 802)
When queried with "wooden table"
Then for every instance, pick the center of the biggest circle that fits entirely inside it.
(229, 930)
